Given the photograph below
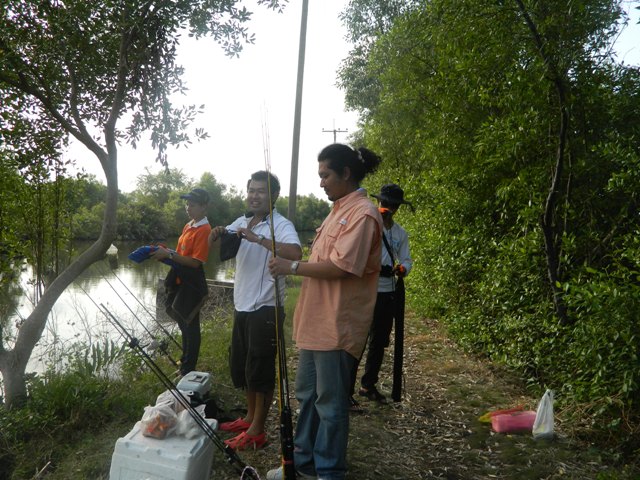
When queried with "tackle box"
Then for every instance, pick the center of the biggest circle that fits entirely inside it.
(196, 386)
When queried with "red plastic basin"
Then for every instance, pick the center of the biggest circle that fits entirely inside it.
(517, 422)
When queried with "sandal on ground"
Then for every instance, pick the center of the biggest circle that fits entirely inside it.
(372, 393)
(238, 425)
(245, 441)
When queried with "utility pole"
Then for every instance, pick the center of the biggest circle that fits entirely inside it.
(334, 131)
(295, 150)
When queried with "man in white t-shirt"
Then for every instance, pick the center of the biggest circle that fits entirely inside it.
(396, 264)
(253, 342)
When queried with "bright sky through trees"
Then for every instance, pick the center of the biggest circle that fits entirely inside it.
(237, 91)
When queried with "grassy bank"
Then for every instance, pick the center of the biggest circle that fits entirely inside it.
(70, 427)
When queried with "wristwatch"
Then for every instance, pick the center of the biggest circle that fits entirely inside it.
(170, 255)
(294, 267)
(260, 239)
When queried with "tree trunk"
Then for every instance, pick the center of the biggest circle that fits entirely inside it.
(13, 379)
(551, 232)
(13, 363)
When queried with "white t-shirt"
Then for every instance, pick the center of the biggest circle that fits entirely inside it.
(399, 243)
(254, 285)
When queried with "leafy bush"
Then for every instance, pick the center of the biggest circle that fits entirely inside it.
(64, 406)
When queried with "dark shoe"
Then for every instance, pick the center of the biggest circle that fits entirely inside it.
(372, 393)
(354, 406)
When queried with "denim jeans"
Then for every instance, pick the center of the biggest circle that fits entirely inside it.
(322, 432)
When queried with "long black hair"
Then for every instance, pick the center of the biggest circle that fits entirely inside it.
(360, 161)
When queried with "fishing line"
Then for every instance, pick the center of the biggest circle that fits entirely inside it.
(286, 424)
(154, 341)
(232, 457)
(153, 317)
(161, 345)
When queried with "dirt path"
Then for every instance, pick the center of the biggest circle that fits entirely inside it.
(434, 432)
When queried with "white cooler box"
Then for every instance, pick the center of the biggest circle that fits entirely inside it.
(137, 457)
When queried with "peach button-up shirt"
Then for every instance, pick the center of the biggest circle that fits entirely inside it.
(336, 314)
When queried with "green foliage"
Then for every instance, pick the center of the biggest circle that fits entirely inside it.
(97, 359)
(79, 69)
(87, 222)
(63, 407)
(156, 187)
(153, 212)
(11, 235)
(141, 219)
(310, 211)
(458, 101)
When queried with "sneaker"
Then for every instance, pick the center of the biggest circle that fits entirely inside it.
(278, 474)
(372, 393)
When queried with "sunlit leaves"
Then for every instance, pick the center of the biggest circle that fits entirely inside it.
(459, 102)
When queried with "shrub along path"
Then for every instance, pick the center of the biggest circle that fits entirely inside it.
(434, 431)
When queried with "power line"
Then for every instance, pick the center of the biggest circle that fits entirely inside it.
(335, 131)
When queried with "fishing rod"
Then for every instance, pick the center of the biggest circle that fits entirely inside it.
(153, 342)
(153, 317)
(398, 315)
(162, 346)
(232, 457)
(286, 423)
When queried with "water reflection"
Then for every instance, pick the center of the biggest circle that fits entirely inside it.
(128, 291)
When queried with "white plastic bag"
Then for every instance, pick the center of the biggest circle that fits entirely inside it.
(158, 421)
(543, 424)
(187, 426)
(168, 397)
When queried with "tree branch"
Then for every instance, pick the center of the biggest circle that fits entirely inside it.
(552, 239)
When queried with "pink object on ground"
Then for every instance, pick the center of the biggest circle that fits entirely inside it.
(517, 422)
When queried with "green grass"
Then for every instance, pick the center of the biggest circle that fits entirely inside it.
(70, 425)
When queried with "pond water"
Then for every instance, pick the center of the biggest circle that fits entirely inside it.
(127, 289)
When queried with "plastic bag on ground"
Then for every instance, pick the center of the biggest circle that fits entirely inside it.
(543, 424)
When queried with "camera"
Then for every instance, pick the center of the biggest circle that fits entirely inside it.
(386, 271)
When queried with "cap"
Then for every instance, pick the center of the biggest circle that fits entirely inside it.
(197, 195)
(392, 194)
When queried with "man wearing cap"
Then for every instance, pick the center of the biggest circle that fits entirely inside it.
(396, 264)
(186, 283)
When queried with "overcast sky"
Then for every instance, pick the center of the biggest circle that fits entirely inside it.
(237, 91)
